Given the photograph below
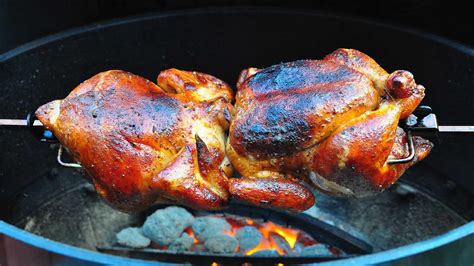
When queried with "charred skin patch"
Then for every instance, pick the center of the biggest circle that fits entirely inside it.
(331, 123)
(292, 106)
(296, 75)
(274, 132)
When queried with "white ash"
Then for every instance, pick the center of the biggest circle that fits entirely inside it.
(221, 244)
(206, 227)
(132, 237)
(316, 250)
(182, 243)
(249, 237)
(166, 225)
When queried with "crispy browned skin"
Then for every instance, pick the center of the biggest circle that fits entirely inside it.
(275, 191)
(141, 142)
(331, 123)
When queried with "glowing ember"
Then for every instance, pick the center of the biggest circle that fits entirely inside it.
(288, 234)
(229, 233)
(190, 232)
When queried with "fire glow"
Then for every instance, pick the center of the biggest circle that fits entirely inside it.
(270, 231)
(289, 234)
(175, 229)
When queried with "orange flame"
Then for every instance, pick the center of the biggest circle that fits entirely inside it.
(267, 228)
(289, 234)
(190, 232)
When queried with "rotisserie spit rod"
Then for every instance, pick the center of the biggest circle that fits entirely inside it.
(423, 122)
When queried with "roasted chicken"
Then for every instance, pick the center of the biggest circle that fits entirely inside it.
(141, 143)
(331, 124)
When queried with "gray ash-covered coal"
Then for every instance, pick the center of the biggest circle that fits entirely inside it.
(177, 230)
(166, 225)
(133, 237)
(304, 239)
(280, 242)
(316, 250)
(249, 237)
(207, 227)
(182, 243)
(221, 244)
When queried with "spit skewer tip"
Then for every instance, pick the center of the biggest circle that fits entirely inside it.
(19, 122)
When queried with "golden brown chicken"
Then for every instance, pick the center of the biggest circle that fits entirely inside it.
(141, 142)
(331, 124)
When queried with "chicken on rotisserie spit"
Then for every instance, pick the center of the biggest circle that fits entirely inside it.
(141, 143)
(331, 124)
